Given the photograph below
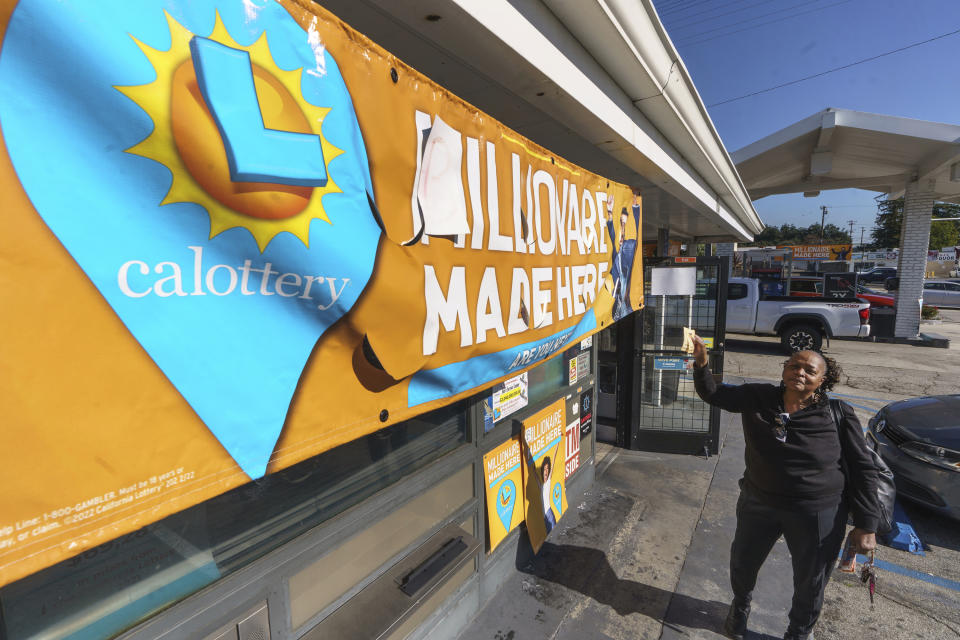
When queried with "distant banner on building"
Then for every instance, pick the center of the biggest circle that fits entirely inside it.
(239, 234)
(503, 479)
(545, 493)
(820, 251)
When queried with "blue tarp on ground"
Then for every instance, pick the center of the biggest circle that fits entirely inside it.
(902, 535)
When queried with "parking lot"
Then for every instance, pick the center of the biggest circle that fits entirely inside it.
(918, 596)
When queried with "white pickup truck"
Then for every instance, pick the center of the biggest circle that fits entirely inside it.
(801, 323)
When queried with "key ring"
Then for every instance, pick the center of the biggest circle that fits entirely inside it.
(868, 576)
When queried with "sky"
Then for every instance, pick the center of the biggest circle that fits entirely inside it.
(729, 52)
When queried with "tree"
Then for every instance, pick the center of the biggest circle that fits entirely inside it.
(889, 220)
(792, 235)
(770, 236)
(886, 230)
(944, 234)
(832, 234)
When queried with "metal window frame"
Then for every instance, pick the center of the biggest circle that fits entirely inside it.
(266, 579)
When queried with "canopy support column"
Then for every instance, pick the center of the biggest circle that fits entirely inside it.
(918, 201)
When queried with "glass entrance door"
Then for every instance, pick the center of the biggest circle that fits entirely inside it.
(667, 415)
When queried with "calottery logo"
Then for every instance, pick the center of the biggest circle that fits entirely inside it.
(239, 140)
(236, 134)
(203, 163)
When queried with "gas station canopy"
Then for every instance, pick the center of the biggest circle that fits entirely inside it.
(840, 148)
(596, 81)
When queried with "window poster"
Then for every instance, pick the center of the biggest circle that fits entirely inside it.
(503, 479)
(508, 397)
(572, 437)
(286, 239)
(583, 365)
(544, 450)
(586, 412)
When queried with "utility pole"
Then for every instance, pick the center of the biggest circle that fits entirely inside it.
(823, 214)
(862, 229)
(851, 223)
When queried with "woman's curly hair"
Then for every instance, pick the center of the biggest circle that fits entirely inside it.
(830, 378)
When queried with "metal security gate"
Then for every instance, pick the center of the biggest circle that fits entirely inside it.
(666, 414)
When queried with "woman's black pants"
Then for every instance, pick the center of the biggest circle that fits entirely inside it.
(814, 540)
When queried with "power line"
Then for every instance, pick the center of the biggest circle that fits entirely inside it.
(840, 68)
(749, 6)
(683, 6)
(694, 41)
(680, 5)
(667, 3)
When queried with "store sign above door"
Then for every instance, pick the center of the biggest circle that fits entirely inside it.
(241, 234)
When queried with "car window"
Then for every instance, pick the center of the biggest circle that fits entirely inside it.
(804, 286)
(951, 286)
(937, 286)
(736, 291)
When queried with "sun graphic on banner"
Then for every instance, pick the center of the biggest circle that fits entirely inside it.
(186, 140)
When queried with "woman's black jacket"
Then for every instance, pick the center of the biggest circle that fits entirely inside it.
(804, 473)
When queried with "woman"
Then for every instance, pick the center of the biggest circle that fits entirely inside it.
(545, 471)
(793, 484)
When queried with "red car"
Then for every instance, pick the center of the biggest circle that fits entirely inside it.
(875, 299)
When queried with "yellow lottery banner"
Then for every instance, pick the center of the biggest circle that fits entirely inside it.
(545, 492)
(503, 479)
(819, 251)
(239, 234)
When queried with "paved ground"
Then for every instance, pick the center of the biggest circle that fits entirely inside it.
(644, 554)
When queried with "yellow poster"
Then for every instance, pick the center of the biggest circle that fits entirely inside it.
(237, 235)
(545, 493)
(503, 479)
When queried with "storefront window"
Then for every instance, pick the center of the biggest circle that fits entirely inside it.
(113, 586)
(553, 376)
(547, 379)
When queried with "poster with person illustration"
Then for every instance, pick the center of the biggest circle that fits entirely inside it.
(544, 451)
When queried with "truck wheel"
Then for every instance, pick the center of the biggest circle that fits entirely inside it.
(801, 337)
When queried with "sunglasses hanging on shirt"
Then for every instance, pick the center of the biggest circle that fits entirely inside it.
(780, 426)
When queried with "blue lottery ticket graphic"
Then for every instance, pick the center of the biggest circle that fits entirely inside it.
(227, 278)
(506, 499)
(556, 495)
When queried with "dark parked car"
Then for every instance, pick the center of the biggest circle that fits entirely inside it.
(877, 274)
(920, 440)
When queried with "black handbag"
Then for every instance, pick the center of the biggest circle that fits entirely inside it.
(886, 489)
